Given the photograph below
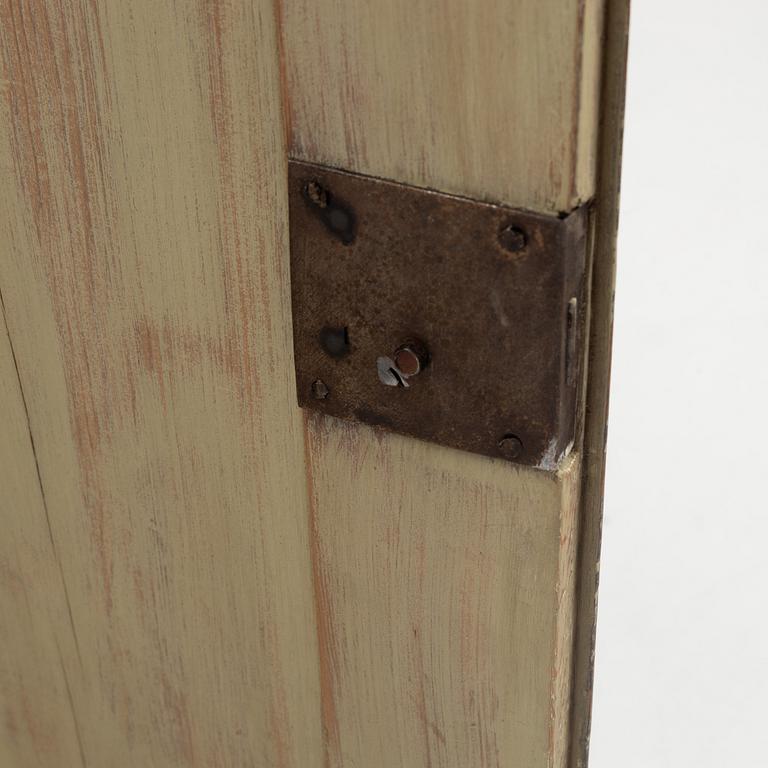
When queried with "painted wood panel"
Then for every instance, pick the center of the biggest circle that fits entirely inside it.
(226, 581)
(445, 583)
(144, 275)
(37, 721)
(494, 100)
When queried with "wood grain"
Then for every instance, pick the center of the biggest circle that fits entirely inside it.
(198, 575)
(445, 583)
(496, 101)
(445, 591)
(37, 721)
(144, 275)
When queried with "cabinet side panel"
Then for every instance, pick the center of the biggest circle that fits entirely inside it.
(145, 279)
(495, 100)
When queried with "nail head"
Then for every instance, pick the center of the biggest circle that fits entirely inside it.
(512, 239)
(319, 390)
(511, 447)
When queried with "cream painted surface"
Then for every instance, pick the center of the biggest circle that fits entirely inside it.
(445, 587)
(248, 585)
(436, 647)
(36, 716)
(495, 100)
(145, 278)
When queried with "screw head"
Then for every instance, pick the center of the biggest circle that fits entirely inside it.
(407, 361)
(411, 358)
(512, 239)
(511, 447)
(319, 389)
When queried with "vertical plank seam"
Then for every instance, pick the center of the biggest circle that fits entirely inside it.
(328, 718)
(50, 536)
(282, 70)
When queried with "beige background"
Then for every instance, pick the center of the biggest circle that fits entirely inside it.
(682, 659)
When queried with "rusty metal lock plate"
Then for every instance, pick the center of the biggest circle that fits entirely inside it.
(447, 319)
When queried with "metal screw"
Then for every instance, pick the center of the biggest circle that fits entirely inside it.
(511, 447)
(319, 390)
(408, 361)
(411, 358)
(512, 239)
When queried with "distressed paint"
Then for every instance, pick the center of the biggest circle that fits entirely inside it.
(199, 575)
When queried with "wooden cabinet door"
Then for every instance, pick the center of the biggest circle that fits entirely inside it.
(193, 571)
